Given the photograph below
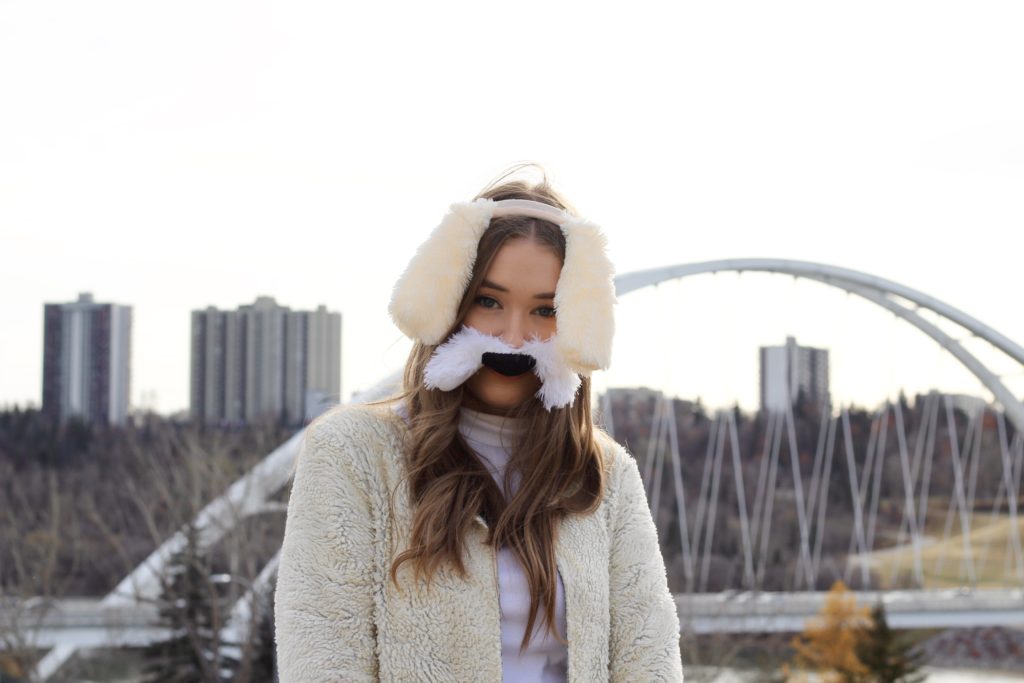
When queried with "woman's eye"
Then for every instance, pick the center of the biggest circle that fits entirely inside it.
(546, 311)
(486, 301)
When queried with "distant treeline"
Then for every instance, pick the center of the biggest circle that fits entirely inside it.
(82, 505)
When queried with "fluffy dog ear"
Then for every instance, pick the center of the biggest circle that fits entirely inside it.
(425, 300)
(585, 299)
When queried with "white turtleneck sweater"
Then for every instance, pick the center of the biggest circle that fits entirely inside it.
(545, 659)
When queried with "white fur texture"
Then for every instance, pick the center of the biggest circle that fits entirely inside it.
(425, 300)
(340, 617)
(585, 299)
(457, 359)
(559, 383)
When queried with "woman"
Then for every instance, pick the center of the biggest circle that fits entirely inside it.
(479, 527)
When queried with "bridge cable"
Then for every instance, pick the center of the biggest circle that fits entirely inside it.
(803, 570)
(741, 502)
(823, 494)
(855, 499)
(677, 476)
(713, 498)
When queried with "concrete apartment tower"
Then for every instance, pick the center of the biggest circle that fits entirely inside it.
(264, 361)
(86, 360)
(785, 370)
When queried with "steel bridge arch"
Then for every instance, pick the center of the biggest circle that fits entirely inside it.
(253, 492)
(878, 291)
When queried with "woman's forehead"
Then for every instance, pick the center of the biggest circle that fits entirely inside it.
(523, 265)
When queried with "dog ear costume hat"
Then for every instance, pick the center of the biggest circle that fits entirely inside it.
(425, 300)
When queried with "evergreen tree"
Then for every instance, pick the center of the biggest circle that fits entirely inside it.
(264, 665)
(254, 659)
(888, 658)
(189, 607)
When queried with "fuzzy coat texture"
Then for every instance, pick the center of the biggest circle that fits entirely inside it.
(340, 618)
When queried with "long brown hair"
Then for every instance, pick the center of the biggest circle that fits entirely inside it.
(557, 454)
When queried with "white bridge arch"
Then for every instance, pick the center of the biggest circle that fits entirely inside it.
(877, 290)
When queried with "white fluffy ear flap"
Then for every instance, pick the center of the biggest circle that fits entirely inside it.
(425, 300)
(585, 299)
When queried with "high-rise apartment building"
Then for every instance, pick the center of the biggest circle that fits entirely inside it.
(788, 369)
(262, 361)
(86, 360)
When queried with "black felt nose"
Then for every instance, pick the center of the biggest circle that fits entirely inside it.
(509, 364)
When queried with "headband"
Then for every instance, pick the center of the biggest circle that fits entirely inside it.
(425, 300)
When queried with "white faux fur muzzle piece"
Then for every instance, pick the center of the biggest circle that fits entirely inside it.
(461, 356)
(425, 300)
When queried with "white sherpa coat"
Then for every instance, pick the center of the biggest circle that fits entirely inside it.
(340, 618)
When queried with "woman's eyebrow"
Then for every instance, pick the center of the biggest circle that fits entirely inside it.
(495, 286)
(491, 285)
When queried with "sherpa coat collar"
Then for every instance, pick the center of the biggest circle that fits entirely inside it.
(340, 618)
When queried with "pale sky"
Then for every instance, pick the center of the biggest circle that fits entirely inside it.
(171, 156)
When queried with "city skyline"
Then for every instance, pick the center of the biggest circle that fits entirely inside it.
(750, 397)
(87, 360)
(264, 360)
(274, 157)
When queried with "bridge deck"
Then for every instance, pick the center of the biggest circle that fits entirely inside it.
(88, 623)
(744, 612)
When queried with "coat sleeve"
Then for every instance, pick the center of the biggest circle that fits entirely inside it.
(326, 580)
(644, 631)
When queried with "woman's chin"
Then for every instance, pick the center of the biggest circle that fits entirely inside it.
(498, 394)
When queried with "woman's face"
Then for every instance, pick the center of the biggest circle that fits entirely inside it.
(515, 301)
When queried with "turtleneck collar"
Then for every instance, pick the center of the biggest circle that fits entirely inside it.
(490, 430)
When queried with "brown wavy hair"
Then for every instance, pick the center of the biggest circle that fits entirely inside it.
(557, 455)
